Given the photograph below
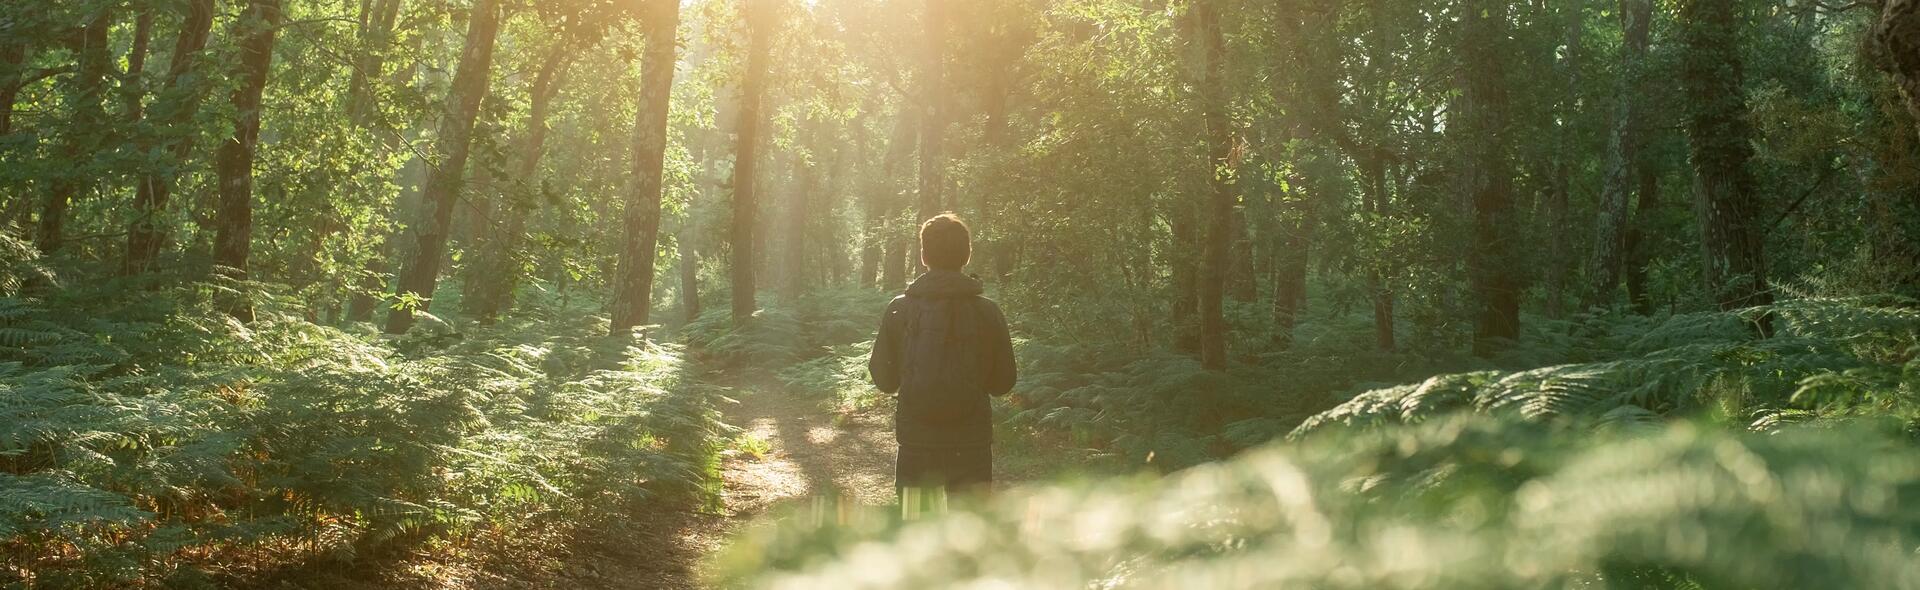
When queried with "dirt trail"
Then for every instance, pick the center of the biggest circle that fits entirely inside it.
(811, 452)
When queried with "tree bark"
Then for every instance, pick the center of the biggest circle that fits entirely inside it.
(89, 119)
(1218, 242)
(233, 163)
(1897, 39)
(1720, 135)
(761, 26)
(495, 275)
(1639, 252)
(444, 179)
(1624, 141)
(147, 235)
(633, 286)
(932, 116)
(1491, 264)
(799, 209)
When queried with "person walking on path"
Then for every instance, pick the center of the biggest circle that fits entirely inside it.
(943, 349)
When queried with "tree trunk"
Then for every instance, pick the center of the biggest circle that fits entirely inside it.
(89, 119)
(1491, 264)
(1639, 250)
(1218, 242)
(689, 273)
(1720, 136)
(761, 26)
(633, 286)
(1240, 268)
(370, 62)
(444, 179)
(147, 235)
(1897, 38)
(799, 208)
(1623, 155)
(932, 122)
(233, 163)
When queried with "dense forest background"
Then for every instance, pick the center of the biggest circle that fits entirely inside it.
(317, 281)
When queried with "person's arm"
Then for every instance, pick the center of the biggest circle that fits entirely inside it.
(884, 365)
(1001, 370)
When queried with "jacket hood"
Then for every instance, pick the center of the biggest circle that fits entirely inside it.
(945, 283)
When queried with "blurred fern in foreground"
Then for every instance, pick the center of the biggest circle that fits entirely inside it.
(1460, 502)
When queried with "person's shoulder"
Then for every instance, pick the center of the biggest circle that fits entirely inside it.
(987, 303)
(898, 302)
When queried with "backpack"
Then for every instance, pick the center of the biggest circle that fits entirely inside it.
(944, 359)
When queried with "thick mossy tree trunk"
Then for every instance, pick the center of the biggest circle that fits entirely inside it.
(495, 274)
(444, 178)
(1624, 142)
(86, 101)
(179, 99)
(233, 162)
(1492, 267)
(633, 282)
(1721, 137)
(1216, 255)
(761, 27)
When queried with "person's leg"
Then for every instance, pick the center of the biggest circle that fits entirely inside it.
(970, 471)
(916, 479)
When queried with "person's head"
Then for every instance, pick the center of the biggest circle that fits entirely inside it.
(945, 243)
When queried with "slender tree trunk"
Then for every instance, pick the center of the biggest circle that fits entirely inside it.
(233, 163)
(147, 235)
(444, 179)
(89, 119)
(1897, 38)
(1240, 267)
(633, 287)
(1373, 170)
(689, 273)
(1638, 247)
(362, 105)
(13, 56)
(1624, 141)
(1492, 265)
(761, 26)
(495, 275)
(1721, 139)
(132, 89)
(1216, 254)
(932, 122)
(895, 241)
(799, 209)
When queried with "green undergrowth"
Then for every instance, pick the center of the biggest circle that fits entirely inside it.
(147, 438)
(1825, 359)
(1463, 501)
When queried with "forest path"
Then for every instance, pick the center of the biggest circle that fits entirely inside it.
(810, 452)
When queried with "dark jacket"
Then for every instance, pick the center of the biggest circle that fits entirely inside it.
(967, 423)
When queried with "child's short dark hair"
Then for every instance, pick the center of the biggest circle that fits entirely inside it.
(945, 242)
